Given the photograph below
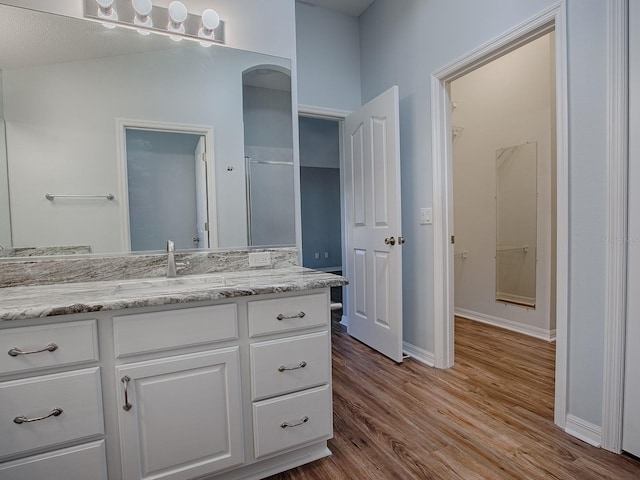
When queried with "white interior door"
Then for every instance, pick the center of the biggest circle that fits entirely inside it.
(202, 210)
(373, 225)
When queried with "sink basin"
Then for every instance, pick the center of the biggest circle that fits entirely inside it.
(164, 284)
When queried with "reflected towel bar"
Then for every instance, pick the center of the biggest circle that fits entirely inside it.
(51, 196)
(524, 249)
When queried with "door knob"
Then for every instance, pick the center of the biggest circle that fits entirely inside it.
(390, 241)
(196, 239)
(401, 240)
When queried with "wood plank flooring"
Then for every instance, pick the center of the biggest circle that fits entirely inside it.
(489, 417)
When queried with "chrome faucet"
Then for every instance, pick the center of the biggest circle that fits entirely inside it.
(171, 261)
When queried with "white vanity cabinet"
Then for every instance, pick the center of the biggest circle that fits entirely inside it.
(227, 389)
(51, 420)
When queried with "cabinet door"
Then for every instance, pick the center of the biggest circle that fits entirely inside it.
(185, 415)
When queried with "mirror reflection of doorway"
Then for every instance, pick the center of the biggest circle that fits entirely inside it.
(167, 189)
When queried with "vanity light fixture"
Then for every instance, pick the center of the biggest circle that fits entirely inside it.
(210, 21)
(177, 15)
(107, 12)
(143, 15)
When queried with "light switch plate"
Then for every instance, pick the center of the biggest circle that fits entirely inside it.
(426, 216)
(259, 259)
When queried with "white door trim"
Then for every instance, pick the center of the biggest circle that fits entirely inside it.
(551, 19)
(616, 246)
(123, 180)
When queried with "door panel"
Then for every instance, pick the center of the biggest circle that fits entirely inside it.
(372, 197)
(359, 200)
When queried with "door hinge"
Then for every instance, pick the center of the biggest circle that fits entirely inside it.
(204, 156)
(206, 226)
(453, 239)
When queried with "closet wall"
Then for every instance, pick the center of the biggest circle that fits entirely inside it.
(503, 104)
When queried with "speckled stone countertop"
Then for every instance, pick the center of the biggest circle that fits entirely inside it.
(23, 302)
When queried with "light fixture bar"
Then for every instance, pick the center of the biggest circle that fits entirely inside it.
(160, 20)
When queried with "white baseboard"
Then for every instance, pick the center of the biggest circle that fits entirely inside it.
(585, 431)
(541, 333)
(419, 354)
(344, 321)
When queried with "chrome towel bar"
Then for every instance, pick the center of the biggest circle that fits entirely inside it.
(51, 196)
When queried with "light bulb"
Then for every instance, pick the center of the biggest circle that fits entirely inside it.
(106, 11)
(210, 21)
(177, 14)
(143, 9)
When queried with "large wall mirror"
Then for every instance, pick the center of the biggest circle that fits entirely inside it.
(516, 224)
(107, 112)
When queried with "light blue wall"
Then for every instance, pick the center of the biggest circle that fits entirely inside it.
(320, 193)
(328, 58)
(402, 43)
(267, 117)
(162, 188)
(319, 144)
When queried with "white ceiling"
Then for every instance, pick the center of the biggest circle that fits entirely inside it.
(355, 8)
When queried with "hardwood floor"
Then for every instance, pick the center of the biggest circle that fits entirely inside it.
(489, 417)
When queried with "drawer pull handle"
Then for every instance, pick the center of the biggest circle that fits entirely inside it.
(300, 365)
(15, 351)
(304, 419)
(289, 317)
(125, 380)
(22, 419)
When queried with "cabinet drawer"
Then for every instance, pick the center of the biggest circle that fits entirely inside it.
(289, 364)
(76, 463)
(158, 331)
(288, 314)
(280, 423)
(74, 343)
(76, 393)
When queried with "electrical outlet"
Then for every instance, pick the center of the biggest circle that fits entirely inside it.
(316, 255)
(326, 254)
(259, 259)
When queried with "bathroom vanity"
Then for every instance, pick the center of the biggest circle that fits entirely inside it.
(225, 375)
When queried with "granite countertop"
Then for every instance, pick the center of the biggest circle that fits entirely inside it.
(18, 303)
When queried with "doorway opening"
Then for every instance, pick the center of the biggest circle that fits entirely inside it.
(503, 163)
(550, 20)
(320, 199)
(504, 156)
